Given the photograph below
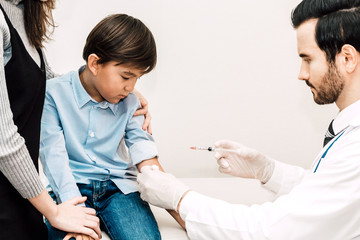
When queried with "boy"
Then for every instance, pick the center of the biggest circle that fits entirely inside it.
(87, 113)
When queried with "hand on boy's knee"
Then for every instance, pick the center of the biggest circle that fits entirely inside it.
(77, 219)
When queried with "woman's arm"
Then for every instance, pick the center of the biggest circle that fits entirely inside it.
(15, 161)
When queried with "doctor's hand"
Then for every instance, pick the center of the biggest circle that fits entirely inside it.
(159, 188)
(244, 162)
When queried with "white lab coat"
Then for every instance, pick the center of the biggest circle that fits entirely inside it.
(323, 205)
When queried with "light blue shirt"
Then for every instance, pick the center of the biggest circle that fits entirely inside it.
(80, 138)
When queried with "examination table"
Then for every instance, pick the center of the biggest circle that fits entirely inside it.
(249, 192)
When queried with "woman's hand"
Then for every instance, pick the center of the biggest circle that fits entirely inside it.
(67, 216)
(144, 111)
(72, 218)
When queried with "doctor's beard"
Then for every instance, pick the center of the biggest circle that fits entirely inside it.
(329, 88)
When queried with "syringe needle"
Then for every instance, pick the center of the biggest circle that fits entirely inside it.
(213, 149)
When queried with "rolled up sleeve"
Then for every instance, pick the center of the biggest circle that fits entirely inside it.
(140, 143)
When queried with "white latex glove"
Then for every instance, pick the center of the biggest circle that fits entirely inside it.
(244, 162)
(159, 188)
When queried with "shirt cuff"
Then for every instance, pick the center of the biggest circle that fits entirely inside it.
(63, 197)
(274, 183)
(189, 203)
(142, 150)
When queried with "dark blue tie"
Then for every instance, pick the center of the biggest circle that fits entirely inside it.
(329, 134)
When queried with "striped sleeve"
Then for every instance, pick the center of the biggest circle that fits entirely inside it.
(15, 161)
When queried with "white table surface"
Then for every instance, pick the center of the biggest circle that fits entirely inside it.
(233, 190)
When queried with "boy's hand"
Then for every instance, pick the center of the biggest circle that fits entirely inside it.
(77, 236)
(144, 111)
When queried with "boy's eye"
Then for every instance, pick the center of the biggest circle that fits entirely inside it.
(307, 60)
(125, 78)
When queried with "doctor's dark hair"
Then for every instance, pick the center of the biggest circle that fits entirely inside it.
(123, 39)
(338, 23)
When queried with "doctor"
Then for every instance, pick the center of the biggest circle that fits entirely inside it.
(322, 202)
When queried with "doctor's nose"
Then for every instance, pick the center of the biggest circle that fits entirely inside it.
(304, 74)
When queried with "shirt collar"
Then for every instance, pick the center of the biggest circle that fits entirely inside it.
(106, 104)
(348, 116)
(82, 97)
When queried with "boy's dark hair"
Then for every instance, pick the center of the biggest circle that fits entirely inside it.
(338, 23)
(123, 39)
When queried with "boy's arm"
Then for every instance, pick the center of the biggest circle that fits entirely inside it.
(154, 161)
(53, 154)
(141, 146)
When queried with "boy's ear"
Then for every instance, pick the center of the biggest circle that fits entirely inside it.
(93, 64)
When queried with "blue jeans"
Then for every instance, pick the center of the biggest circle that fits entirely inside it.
(125, 217)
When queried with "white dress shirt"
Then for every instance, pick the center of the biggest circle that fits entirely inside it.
(311, 204)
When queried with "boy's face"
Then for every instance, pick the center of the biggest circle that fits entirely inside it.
(115, 81)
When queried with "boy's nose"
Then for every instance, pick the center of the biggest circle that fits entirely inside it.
(129, 88)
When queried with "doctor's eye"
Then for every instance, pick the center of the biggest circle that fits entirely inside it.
(307, 60)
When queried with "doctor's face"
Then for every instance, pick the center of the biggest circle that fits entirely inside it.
(322, 77)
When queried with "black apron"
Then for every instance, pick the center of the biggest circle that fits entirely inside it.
(26, 89)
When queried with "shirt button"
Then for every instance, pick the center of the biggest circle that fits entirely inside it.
(104, 104)
(92, 134)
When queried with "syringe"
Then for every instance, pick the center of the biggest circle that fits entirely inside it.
(213, 149)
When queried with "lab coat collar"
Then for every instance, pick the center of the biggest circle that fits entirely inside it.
(355, 122)
(350, 116)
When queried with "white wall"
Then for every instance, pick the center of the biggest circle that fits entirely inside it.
(226, 69)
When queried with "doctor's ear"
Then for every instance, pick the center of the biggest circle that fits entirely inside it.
(93, 63)
(350, 57)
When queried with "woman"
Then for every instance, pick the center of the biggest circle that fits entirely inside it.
(23, 71)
